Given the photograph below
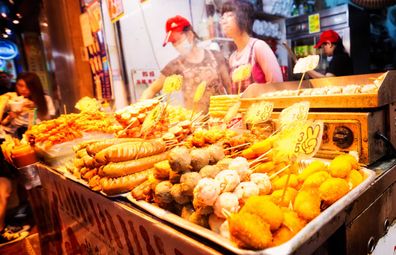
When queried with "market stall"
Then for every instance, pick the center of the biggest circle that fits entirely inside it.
(157, 179)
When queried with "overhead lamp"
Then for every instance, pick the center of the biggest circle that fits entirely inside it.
(18, 15)
(11, 1)
(5, 36)
(8, 31)
(4, 15)
(44, 24)
(15, 21)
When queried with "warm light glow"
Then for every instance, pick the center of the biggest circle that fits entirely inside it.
(5, 35)
(15, 21)
(11, 1)
(7, 30)
(18, 15)
(4, 15)
(44, 24)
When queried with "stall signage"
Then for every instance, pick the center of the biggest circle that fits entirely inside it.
(259, 112)
(314, 23)
(8, 50)
(116, 9)
(309, 139)
(294, 113)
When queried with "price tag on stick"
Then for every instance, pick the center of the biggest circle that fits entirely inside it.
(309, 139)
(291, 114)
(259, 113)
(232, 112)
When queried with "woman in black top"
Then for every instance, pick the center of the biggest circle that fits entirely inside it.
(340, 63)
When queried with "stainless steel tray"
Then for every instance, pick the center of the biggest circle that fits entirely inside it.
(286, 248)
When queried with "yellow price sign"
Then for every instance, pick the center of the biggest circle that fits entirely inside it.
(259, 112)
(314, 23)
(172, 83)
(199, 92)
(152, 118)
(296, 112)
(309, 139)
(232, 112)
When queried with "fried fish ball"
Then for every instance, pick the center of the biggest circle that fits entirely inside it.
(265, 209)
(313, 167)
(281, 236)
(188, 181)
(289, 198)
(216, 153)
(162, 193)
(180, 159)
(281, 182)
(292, 221)
(177, 194)
(333, 189)
(307, 204)
(354, 179)
(209, 171)
(199, 219)
(340, 167)
(316, 179)
(199, 159)
(249, 231)
(224, 163)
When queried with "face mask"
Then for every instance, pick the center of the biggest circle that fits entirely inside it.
(184, 48)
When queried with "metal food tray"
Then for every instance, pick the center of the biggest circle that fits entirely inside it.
(385, 95)
(286, 248)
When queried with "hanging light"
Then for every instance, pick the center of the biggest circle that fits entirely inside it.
(5, 36)
(11, 1)
(19, 16)
(8, 31)
(15, 21)
(4, 15)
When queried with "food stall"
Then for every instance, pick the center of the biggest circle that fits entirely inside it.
(106, 197)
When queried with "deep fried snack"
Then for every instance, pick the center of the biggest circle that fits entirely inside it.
(224, 163)
(354, 179)
(281, 182)
(282, 235)
(199, 159)
(314, 166)
(265, 209)
(162, 170)
(188, 181)
(288, 199)
(249, 231)
(209, 171)
(178, 196)
(307, 204)
(340, 167)
(162, 193)
(333, 189)
(199, 219)
(216, 153)
(292, 221)
(265, 167)
(316, 179)
(180, 159)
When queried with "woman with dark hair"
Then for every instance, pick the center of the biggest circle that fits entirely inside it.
(332, 47)
(195, 64)
(236, 22)
(31, 95)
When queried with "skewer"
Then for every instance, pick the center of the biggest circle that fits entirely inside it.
(237, 146)
(125, 129)
(280, 171)
(225, 212)
(260, 157)
(287, 184)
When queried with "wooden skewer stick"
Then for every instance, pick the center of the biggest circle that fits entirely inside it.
(236, 146)
(225, 212)
(64, 109)
(302, 78)
(260, 157)
(280, 171)
(287, 184)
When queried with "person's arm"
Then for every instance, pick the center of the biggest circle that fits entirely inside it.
(154, 88)
(314, 74)
(268, 63)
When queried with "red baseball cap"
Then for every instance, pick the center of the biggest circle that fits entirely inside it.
(174, 24)
(327, 36)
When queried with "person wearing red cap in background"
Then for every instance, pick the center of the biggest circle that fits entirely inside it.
(340, 63)
(194, 64)
(236, 22)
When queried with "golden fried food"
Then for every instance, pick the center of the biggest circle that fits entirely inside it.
(249, 153)
(307, 204)
(351, 159)
(315, 166)
(281, 182)
(262, 147)
(340, 167)
(316, 179)
(289, 198)
(354, 179)
(249, 231)
(281, 236)
(333, 189)
(199, 219)
(265, 209)
(162, 170)
(292, 221)
(265, 167)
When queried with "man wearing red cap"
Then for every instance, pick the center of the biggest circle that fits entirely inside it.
(193, 63)
(340, 64)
